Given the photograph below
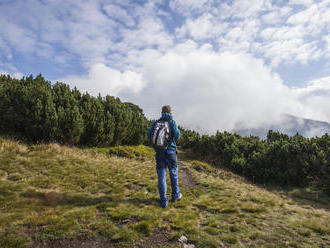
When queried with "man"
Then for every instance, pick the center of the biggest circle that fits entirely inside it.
(167, 158)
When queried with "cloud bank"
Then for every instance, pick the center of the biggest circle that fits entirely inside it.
(105, 80)
(211, 91)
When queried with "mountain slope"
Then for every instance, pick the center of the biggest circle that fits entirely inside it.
(55, 196)
(287, 124)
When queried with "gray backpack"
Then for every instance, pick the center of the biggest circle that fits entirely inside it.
(161, 135)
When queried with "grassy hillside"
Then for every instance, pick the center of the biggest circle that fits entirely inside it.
(55, 196)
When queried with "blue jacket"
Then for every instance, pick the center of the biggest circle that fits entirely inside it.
(175, 132)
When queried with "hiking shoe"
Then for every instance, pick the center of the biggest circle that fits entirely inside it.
(178, 198)
(163, 204)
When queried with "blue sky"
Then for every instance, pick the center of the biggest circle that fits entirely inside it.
(234, 61)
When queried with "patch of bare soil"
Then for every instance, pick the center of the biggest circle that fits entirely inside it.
(159, 238)
(185, 177)
(73, 244)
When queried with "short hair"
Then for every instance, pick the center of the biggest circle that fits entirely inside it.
(166, 109)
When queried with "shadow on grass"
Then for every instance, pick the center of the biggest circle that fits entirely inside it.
(313, 199)
(53, 198)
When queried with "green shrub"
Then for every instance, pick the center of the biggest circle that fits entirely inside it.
(280, 159)
(34, 110)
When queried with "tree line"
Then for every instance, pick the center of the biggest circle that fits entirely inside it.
(279, 159)
(34, 110)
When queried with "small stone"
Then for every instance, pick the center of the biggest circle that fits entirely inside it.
(183, 239)
(188, 246)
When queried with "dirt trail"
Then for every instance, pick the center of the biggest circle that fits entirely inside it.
(74, 244)
(185, 177)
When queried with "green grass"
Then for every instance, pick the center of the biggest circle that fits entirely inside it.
(140, 152)
(51, 192)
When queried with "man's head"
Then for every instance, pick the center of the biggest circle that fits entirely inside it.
(166, 109)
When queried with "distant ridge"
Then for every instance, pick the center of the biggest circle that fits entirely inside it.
(289, 125)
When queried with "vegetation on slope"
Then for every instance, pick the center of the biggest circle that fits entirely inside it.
(51, 196)
(280, 159)
(34, 110)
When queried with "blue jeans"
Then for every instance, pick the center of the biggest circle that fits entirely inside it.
(167, 159)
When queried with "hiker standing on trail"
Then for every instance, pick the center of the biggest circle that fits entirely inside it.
(163, 133)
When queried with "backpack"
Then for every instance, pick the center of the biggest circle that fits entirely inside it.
(160, 136)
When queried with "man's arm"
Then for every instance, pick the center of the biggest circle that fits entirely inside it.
(149, 132)
(176, 131)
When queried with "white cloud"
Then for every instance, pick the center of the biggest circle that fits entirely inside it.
(245, 31)
(318, 84)
(234, 34)
(282, 33)
(17, 75)
(9, 69)
(149, 32)
(118, 13)
(189, 7)
(106, 81)
(326, 39)
(213, 91)
(290, 51)
(301, 2)
(200, 28)
(5, 49)
(314, 99)
(242, 9)
(23, 40)
(187, 3)
(314, 18)
(276, 15)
